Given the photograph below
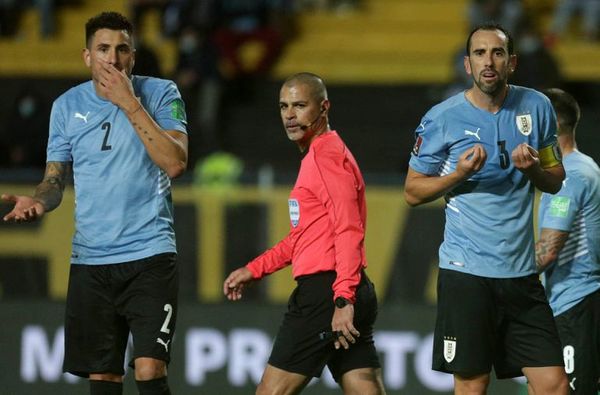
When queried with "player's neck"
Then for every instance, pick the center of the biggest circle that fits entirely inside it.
(486, 101)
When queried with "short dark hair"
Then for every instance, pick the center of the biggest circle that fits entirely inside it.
(491, 26)
(313, 81)
(106, 20)
(566, 108)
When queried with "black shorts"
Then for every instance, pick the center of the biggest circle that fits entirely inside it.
(106, 302)
(299, 348)
(579, 330)
(484, 322)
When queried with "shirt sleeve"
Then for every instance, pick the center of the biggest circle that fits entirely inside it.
(59, 147)
(429, 151)
(561, 209)
(272, 260)
(549, 151)
(338, 189)
(170, 113)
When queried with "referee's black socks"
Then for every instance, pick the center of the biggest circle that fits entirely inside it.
(101, 387)
(154, 387)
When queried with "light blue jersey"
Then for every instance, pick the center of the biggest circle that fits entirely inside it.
(489, 217)
(574, 209)
(123, 208)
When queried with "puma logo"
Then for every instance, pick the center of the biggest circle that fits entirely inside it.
(81, 116)
(470, 133)
(165, 345)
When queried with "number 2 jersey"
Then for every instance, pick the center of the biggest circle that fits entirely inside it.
(328, 217)
(489, 217)
(123, 208)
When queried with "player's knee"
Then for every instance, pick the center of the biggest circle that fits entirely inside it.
(365, 381)
(472, 385)
(149, 369)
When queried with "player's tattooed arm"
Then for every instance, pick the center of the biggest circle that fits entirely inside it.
(548, 247)
(50, 191)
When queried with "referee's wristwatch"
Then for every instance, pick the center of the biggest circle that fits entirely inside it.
(341, 302)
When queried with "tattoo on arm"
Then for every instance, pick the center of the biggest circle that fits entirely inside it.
(548, 247)
(141, 129)
(50, 191)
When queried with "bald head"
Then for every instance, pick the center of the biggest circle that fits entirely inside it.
(312, 81)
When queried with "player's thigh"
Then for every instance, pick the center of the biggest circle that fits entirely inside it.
(150, 305)
(579, 330)
(95, 334)
(530, 337)
(465, 331)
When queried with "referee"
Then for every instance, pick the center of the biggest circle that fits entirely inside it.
(331, 312)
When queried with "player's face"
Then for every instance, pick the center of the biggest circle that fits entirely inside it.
(298, 108)
(489, 63)
(110, 46)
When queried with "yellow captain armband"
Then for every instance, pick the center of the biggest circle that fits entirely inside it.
(550, 156)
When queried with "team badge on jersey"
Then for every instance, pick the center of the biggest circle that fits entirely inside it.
(525, 124)
(449, 348)
(178, 110)
(559, 206)
(417, 146)
(294, 211)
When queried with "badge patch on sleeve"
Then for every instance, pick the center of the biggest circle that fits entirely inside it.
(178, 110)
(417, 146)
(559, 206)
(294, 211)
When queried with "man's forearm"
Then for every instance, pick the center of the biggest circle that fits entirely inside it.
(548, 180)
(50, 191)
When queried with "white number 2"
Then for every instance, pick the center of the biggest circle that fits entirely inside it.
(569, 356)
(165, 326)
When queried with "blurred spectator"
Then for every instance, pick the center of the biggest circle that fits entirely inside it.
(23, 144)
(10, 11)
(224, 46)
(589, 11)
(146, 60)
(507, 13)
(536, 66)
(47, 17)
(138, 9)
(201, 84)
(248, 39)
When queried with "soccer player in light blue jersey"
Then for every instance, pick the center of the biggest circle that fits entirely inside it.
(485, 150)
(568, 251)
(124, 138)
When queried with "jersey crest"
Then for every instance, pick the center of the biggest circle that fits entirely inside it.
(524, 124)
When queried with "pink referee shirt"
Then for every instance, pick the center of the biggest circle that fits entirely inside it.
(328, 217)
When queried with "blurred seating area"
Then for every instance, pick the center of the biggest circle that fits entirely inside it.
(379, 57)
(369, 41)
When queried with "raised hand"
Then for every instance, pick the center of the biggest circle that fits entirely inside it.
(471, 161)
(116, 86)
(26, 209)
(525, 158)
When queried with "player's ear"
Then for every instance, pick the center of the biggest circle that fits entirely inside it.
(467, 63)
(85, 54)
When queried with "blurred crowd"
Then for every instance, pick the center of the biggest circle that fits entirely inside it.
(227, 47)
